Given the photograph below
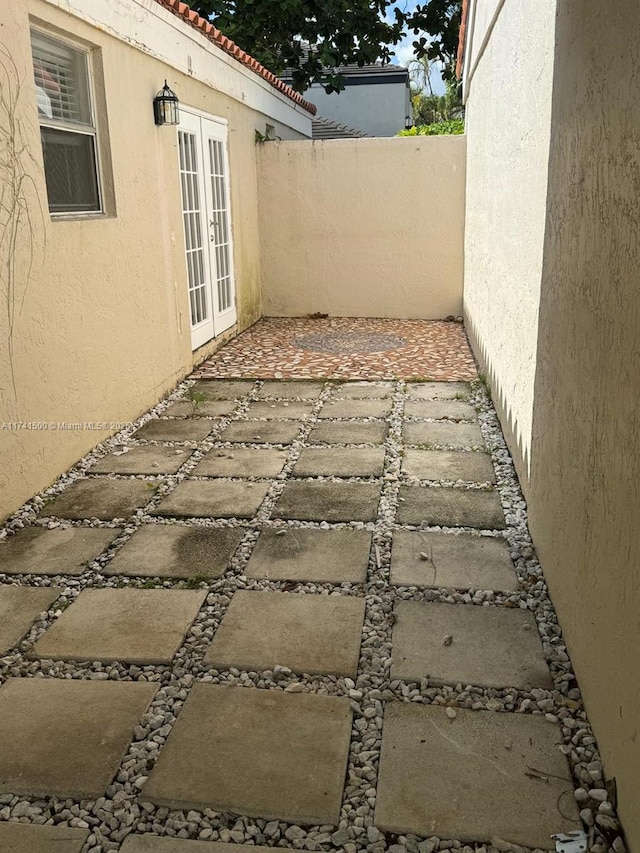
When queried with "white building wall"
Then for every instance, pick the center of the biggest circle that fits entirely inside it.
(379, 109)
(508, 84)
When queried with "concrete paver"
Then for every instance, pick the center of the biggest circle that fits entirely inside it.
(29, 838)
(471, 466)
(356, 408)
(443, 433)
(306, 633)
(176, 551)
(223, 389)
(488, 646)
(291, 409)
(349, 432)
(175, 429)
(261, 432)
(204, 409)
(150, 459)
(157, 844)
(450, 507)
(213, 499)
(100, 498)
(453, 410)
(309, 555)
(437, 390)
(466, 778)
(133, 625)
(282, 390)
(19, 608)
(461, 562)
(38, 550)
(328, 501)
(242, 462)
(66, 738)
(358, 390)
(289, 764)
(340, 462)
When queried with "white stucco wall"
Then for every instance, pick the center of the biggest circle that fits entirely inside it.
(378, 109)
(509, 88)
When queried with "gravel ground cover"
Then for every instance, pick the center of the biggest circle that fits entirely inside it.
(123, 811)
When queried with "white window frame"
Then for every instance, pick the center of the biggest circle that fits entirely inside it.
(77, 128)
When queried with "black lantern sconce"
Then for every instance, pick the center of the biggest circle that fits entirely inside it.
(165, 106)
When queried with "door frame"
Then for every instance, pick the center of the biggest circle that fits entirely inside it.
(216, 322)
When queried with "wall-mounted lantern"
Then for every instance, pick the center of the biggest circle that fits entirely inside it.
(165, 106)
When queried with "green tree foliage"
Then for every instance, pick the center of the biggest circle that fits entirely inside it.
(430, 108)
(440, 128)
(275, 32)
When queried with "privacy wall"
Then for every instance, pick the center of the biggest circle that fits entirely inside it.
(584, 495)
(508, 82)
(362, 227)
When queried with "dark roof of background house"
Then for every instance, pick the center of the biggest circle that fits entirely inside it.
(182, 10)
(325, 128)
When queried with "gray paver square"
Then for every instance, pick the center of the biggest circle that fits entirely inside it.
(175, 429)
(242, 462)
(66, 738)
(19, 607)
(358, 390)
(443, 433)
(356, 408)
(280, 409)
(450, 507)
(490, 646)
(307, 633)
(213, 499)
(261, 432)
(263, 753)
(466, 778)
(205, 409)
(165, 844)
(340, 462)
(471, 466)
(62, 551)
(100, 498)
(309, 555)
(142, 460)
(349, 432)
(440, 409)
(134, 625)
(223, 389)
(176, 551)
(458, 561)
(29, 838)
(328, 501)
(437, 390)
(283, 390)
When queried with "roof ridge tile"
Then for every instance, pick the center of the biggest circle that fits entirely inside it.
(184, 11)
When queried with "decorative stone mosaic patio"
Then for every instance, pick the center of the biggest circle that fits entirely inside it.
(345, 348)
(270, 623)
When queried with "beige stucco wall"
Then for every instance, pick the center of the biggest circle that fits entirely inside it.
(100, 323)
(585, 473)
(508, 90)
(362, 227)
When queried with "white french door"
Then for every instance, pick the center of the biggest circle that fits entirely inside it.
(204, 179)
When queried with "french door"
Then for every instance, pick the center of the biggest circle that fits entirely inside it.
(204, 179)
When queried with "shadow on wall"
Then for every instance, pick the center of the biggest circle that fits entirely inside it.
(508, 420)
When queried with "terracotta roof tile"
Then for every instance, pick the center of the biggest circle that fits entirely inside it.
(221, 41)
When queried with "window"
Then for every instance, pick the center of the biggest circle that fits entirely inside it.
(67, 128)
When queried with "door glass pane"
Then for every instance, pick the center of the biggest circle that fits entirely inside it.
(220, 227)
(193, 227)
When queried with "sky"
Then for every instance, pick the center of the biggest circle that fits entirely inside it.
(403, 51)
